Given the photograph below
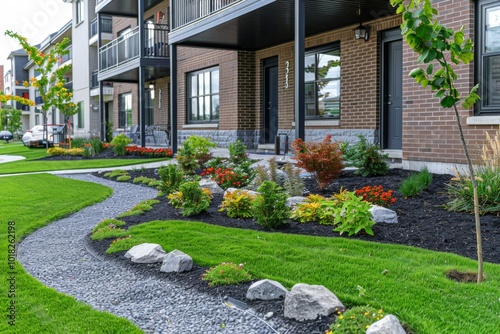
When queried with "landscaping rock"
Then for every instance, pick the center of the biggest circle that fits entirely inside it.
(387, 325)
(212, 186)
(251, 192)
(307, 302)
(176, 262)
(293, 201)
(146, 253)
(266, 290)
(383, 215)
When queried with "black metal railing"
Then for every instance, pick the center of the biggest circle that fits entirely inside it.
(185, 12)
(94, 83)
(126, 48)
(106, 25)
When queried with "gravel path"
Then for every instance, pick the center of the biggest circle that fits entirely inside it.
(56, 255)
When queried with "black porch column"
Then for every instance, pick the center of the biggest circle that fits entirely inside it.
(173, 97)
(101, 88)
(300, 9)
(142, 75)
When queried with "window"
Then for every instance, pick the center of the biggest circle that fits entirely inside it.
(81, 116)
(488, 56)
(322, 82)
(125, 110)
(79, 11)
(150, 98)
(203, 96)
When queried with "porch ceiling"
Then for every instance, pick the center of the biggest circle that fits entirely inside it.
(127, 8)
(154, 69)
(273, 23)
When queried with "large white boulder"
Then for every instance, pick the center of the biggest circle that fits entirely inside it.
(211, 185)
(176, 262)
(383, 215)
(308, 302)
(266, 290)
(146, 253)
(387, 325)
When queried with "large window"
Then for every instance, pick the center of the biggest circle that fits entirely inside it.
(81, 116)
(125, 110)
(488, 56)
(322, 82)
(203, 95)
(79, 11)
(150, 109)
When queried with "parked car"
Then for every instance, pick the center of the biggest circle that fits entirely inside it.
(38, 137)
(6, 135)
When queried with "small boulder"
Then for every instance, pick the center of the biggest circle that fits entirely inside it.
(383, 215)
(387, 325)
(308, 302)
(146, 253)
(251, 192)
(176, 262)
(293, 201)
(266, 290)
(211, 185)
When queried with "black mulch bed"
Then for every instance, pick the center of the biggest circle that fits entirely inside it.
(422, 223)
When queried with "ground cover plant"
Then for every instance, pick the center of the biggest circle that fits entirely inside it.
(379, 268)
(40, 309)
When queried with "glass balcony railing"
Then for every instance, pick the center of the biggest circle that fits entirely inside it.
(186, 12)
(126, 48)
(68, 56)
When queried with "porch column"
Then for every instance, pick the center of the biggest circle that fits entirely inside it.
(101, 88)
(300, 10)
(142, 75)
(173, 97)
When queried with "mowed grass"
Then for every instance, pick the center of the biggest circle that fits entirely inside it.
(30, 164)
(30, 202)
(407, 282)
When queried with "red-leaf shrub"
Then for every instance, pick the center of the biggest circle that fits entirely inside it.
(323, 160)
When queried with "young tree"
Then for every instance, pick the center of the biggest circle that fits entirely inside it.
(441, 48)
(51, 79)
(10, 119)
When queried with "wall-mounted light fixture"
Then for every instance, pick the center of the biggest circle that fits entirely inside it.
(361, 32)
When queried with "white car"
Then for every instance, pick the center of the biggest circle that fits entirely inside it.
(38, 137)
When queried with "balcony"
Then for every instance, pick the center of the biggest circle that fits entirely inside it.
(258, 24)
(38, 100)
(69, 86)
(94, 86)
(67, 57)
(106, 30)
(125, 8)
(120, 59)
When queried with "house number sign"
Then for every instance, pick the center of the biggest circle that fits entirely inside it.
(287, 70)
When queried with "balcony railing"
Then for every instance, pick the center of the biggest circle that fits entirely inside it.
(126, 48)
(106, 25)
(69, 86)
(186, 12)
(68, 56)
(94, 82)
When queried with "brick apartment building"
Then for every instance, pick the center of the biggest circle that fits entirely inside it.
(231, 69)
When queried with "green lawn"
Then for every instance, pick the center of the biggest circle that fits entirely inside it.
(31, 203)
(405, 281)
(33, 165)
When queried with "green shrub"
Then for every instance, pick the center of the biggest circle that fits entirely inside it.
(226, 273)
(186, 158)
(140, 208)
(123, 178)
(109, 231)
(416, 183)
(238, 204)
(237, 152)
(323, 160)
(201, 148)
(107, 222)
(269, 208)
(355, 320)
(142, 179)
(293, 184)
(171, 177)
(191, 198)
(116, 173)
(353, 216)
(488, 189)
(367, 157)
(119, 143)
(96, 145)
(78, 142)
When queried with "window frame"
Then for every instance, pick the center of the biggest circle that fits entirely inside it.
(124, 114)
(481, 56)
(331, 47)
(79, 10)
(80, 116)
(214, 117)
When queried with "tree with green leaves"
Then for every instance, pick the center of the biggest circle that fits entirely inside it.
(441, 49)
(50, 82)
(10, 119)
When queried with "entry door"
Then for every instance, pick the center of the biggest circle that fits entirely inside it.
(392, 116)
(270, 103)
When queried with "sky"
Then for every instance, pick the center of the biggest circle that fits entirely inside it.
(33, 19)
